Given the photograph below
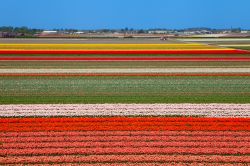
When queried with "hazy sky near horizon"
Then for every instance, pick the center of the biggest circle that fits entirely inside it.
(96, 14)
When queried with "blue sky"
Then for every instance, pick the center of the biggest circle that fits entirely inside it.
(95, 14)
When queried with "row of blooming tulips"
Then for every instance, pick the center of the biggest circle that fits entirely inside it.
(128, 139)
(124, 124)
(204, 110)
(65, 144)
(103, 49)
(107, 124)
(127, 71)
(124, 133)
(123, 52)
(127, 59)
(126, 150)
(125, 128)
(124, 74)
(109, 47)
(122, 119)
(144, 164)
(123, 158)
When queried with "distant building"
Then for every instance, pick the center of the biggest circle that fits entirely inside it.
(225, 32)
(50, 32)
(79, 33)
(158, 32)
(244, 31)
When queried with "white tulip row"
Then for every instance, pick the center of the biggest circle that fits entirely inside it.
(48, 110)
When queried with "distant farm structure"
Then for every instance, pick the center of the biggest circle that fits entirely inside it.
(10, 34)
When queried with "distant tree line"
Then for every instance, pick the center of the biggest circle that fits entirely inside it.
(23, 30)
(31, 31)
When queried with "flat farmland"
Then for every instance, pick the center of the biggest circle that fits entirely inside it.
(123, 102)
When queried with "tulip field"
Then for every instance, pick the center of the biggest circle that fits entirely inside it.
(124, 104)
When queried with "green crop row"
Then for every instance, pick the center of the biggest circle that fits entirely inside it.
(124, 90)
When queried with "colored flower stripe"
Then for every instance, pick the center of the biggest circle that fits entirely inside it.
(124, 74)
(59, 139)
(130, 124)
(135, 123)
(127, 70)
(120, 119)
(125, 59)
(144, 164)
(125, 128)
(108, 46)
(110, 151)
(48, 110)
(119, 144)
(123, 158)
(126, 158)
(124, 52)
(125, 133)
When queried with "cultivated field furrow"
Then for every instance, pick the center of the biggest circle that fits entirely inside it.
(124, 158)
(127, 138)
(119, 144)
(127, 150)
(147, 164)
(124, 133)
(138, 128)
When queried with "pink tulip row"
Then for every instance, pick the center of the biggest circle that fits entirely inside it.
(207, 110)
(119, 144)
(126, 150)
(123, 158)
(124, 133)
(127, 138)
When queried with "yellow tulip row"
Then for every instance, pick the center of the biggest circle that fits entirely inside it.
(109, 47)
